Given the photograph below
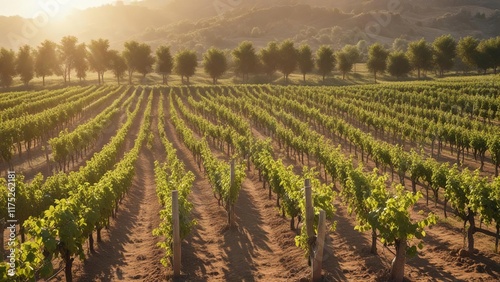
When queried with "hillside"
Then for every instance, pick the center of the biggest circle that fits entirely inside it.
(198, 24)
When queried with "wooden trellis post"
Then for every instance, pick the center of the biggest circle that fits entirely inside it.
(177, 236)
(316, 243)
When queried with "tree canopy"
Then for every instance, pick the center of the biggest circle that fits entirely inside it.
(214, 63)
(245, 59)
(325, 60)
(164, 62)
(377, 59)
(185, 64)
(305, 60)
(138, 57)
(420, 55)
(25, 64)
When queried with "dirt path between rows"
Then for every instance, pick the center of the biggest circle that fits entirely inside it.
(248, 252)
(128, 251)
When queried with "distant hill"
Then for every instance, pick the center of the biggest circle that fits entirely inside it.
(199, 24)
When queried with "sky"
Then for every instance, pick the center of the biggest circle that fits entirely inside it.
(31, 8)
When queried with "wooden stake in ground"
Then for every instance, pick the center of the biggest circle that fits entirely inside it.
(309, 209)
(177, 237)
(316, 243)
(318, 255)
(230, 205)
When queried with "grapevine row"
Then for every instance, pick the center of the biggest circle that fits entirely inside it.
(65, 226)
(170, 176)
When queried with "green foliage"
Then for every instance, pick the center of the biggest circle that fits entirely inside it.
(117, 64)
(186, 63)
(138, 57)
(325, 60)
(245, 59)
(288, 55)
(215, 63)
(25, 64)
(7, 67)
(398, 64)
(395, 222)
(100, 57)
(445, 51)
(420, 55)
(344, 63)
(305, 59)
(467, 50)
(269, 58)
(377, 59)
(164, 61)
(80, 61)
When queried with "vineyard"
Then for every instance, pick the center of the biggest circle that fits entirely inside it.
(404, 176)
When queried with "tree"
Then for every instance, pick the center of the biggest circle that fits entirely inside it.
(185, 64)
(245, 59)
(377, 59)
(269, 57)
(396, 228)
(445, 51)
(99, 57)
(214, 63)
(400, 45)
(164, 62)
(46, 61)
(362, 47)
(398, 64)
(305, 60)
(353, 54)
(288, 55)
(467, 51)
(7, 67)
(117, 64)
(343, 62)
(494, 49)
(489, 54)
(80, 61)
(420, 55)
(67, 49)
(25, 64)
(325, 60)
(138, 58)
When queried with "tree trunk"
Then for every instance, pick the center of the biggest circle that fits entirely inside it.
(471, 231)
(43, 80)
(374, 241)
(98, 232)
(398, 263)
(69, 264)
(91, 243)
(496, 238)
(304, 77)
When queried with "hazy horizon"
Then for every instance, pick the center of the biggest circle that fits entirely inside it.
(28, 9)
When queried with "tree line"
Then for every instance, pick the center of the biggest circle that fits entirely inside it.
(50, 58)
